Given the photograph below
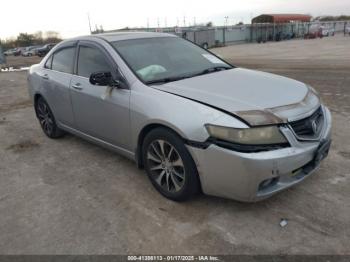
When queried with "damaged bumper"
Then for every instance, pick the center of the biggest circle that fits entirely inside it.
(251, 177)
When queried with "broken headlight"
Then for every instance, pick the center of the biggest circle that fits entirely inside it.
(266, 135)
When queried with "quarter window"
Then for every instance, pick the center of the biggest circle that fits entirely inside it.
(63, 60)
(48, 63)
(91, 60)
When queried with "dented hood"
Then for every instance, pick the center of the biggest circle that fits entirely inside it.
(257, 97)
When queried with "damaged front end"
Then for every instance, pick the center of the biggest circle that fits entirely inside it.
(282, 114)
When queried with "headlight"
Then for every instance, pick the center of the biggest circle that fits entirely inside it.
(249, 136)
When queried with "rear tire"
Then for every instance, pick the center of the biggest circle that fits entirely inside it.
(169, 165)
(47, 120)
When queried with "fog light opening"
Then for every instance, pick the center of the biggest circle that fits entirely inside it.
(268, 183)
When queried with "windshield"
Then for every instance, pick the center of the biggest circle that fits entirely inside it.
(165, 59)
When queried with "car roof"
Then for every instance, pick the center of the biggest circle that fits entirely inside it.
(119, 36)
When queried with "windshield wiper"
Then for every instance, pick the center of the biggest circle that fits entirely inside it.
(176, 78)
(166, 80)
(212, 70)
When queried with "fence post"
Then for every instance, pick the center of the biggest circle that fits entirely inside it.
(345, 23)
(251, 32)
(224, 35)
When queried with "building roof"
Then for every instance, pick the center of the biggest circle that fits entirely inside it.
(281, 18)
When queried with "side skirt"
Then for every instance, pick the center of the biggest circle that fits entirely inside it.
(114, 148)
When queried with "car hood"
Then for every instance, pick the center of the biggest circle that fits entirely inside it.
(258, 98)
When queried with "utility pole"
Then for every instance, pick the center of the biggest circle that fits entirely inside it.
(226, 21)
(224, 32)
(147, 23)
(184, 21)
(88, 16)
(194, 21)
(158, 22)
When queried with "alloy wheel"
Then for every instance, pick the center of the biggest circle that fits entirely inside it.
(45, 117)
(166, 165)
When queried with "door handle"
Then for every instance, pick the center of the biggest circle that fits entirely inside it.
(77, 86)
(46, 77)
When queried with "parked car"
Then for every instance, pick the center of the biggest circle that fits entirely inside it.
(18, 51)
(190, 119)
(25, 50)
(347, 30)
(2, 58)
(45, 49)
(31, 51)
(327, 31)
(9, 52)
(315, 31)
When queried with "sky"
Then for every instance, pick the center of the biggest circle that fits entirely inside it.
(70, 17)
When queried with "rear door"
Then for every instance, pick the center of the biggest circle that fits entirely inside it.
(97, 112)
(56, 77)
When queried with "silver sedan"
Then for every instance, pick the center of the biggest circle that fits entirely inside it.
(194, 122)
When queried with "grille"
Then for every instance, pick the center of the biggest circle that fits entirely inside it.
(310, 127)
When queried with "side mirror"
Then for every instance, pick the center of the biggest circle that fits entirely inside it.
(106, 79)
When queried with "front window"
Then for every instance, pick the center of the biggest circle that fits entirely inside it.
(91, 60)
(165, 59)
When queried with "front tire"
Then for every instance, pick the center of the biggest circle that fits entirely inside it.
(169, 165)
(46, 119)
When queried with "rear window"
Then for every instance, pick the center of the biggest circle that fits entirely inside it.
(63, 60)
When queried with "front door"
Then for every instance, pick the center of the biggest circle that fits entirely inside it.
(97, 112)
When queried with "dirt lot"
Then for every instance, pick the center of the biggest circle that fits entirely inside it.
(68, 196)
(20, 61)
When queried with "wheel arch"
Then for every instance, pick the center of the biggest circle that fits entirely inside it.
(36, 98)
(151, 126)
(143, 133)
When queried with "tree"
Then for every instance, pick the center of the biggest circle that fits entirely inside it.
(209, 24)
(52, 34)
(24, 39)
(332, 18)
(52, 37)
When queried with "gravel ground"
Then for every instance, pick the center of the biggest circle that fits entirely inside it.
(68, 196)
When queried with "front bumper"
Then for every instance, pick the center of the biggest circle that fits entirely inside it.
(240, 176)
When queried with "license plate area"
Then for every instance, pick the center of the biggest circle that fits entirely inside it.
(320, 154)
(322, 151)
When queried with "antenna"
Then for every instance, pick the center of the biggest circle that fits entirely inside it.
(88, 15)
